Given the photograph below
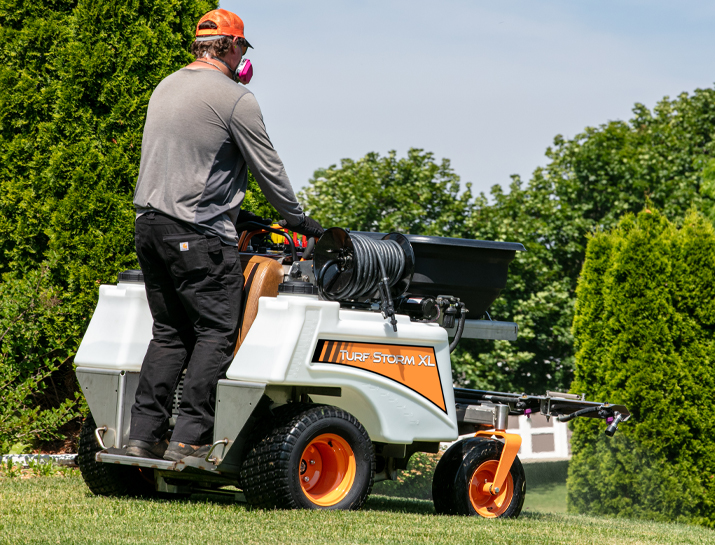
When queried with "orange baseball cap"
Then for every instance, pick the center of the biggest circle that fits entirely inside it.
(227, 24)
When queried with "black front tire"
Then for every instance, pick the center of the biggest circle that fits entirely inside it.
(109, 479)
(457, 468)
(274, 466)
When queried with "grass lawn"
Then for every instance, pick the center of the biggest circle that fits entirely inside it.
(546, 487)
(548, 498)
(61, 509)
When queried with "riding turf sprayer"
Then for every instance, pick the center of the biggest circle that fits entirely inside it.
(341, 372)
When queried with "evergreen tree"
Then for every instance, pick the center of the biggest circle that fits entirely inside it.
(645, 332)
(118, 54)
(32, 37)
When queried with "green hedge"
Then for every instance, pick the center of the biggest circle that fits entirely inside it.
(645, 332)
(35, 347)
(75, 81)
(413, 482)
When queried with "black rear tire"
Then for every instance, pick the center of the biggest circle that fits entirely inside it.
(109, 479)
(275, 465)
(454, 474)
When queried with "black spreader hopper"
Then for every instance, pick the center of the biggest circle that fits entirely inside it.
(473, 270)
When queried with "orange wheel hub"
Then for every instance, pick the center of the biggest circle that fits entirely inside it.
(485, 504)
(327, 469)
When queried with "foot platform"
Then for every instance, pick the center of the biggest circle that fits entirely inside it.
(118, 456)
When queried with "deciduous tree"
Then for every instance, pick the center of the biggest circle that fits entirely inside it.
(413, 194)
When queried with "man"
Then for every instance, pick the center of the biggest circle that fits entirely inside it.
(203, 131)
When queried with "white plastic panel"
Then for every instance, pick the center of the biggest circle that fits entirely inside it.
(120, 330)
(103, 390)
(279, 350)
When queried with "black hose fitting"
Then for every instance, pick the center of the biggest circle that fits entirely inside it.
(613, 426)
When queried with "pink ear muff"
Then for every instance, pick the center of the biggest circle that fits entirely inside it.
(244, 72)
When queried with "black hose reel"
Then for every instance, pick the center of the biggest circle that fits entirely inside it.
(358, 268)
(362, 271)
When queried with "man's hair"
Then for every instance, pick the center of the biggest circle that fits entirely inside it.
(214, 48)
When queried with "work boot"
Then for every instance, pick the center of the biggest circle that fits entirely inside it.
(178, 451)
(145, 449)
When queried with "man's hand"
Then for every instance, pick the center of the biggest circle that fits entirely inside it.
(245, 215)
(309, 227)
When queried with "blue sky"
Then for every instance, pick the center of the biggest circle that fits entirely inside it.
(486, 84)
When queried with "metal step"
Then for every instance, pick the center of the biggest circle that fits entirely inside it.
(118, 456)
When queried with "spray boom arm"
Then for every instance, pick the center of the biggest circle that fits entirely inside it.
(562, 406)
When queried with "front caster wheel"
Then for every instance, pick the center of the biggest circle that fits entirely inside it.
(314, 457)
(457, 487)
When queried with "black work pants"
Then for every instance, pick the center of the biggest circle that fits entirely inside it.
(193, 285)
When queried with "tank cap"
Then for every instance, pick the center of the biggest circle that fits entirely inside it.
(298, 288)
(133, 275)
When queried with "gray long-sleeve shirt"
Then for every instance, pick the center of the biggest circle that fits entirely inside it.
(202, 133)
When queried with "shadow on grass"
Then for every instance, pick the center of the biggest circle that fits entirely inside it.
(374, 502)
(164, 497)
(399, 505)
(541, 516)
(425, 507)
(542, 501)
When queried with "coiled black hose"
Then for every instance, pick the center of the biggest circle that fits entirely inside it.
(582, 412)
(376, 265)
(372, 260)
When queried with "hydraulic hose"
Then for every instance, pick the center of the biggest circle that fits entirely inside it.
(582, 412)
(261, 227)
(460, 328)
(308, 252)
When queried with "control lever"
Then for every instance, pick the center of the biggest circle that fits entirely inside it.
(387, 307)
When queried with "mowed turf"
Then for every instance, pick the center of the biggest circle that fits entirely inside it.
(545, 498)
(59, 509)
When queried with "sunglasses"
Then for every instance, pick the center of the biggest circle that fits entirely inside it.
(242, 43)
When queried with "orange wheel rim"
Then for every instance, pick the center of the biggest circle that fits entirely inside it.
(485, 504)
(327, 469)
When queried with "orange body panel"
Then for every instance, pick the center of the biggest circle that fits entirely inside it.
(412, 366)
